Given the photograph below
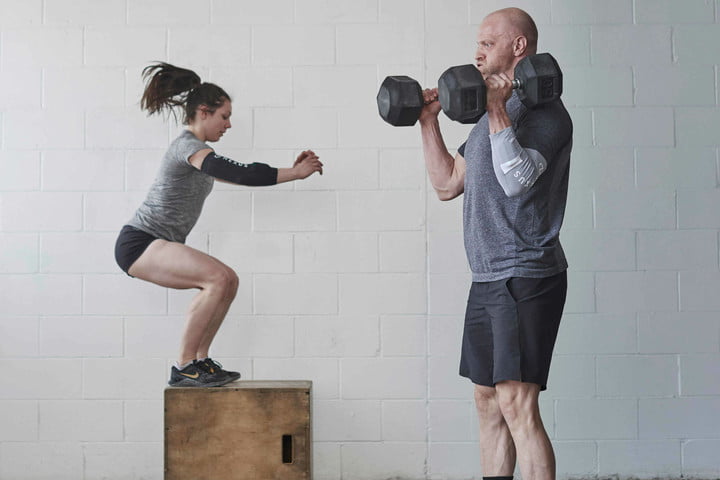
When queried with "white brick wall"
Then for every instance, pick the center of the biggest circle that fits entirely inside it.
(348, 420)
(81, 420)
(61, 460)
(19, 421)
(699, 457)
(690, 169)
(591, 12)
(644, 457)
(126, 460)
(355, 336)
(356, 280)
(389, 460)
(669, 11)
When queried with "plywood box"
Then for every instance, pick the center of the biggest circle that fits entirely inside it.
(249, 430)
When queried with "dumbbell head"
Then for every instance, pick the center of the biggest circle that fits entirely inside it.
(400, 101)
(539, 79)
(461, 91)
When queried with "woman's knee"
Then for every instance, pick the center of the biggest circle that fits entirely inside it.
(234, 283)
(226, 281)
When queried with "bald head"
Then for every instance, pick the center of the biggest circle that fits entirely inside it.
(516, 22)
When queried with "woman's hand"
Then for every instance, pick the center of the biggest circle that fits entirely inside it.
(306, 164)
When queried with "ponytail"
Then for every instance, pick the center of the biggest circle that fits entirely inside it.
(169, 86)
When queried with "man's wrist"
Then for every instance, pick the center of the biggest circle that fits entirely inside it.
(496, 108)
(498, 119)
(429, 121)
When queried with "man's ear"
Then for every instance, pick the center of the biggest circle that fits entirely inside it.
(519, 45)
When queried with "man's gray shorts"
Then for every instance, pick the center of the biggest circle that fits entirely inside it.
(510, 329)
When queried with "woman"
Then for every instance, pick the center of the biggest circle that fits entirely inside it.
(151, 246)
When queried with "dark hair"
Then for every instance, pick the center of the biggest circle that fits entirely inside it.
(169, 86)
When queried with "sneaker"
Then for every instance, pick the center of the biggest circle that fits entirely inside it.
(195, 375)
(213, 366)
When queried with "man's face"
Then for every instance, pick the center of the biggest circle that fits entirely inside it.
(494, 53)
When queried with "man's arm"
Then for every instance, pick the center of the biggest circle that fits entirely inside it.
(520, 157)
(516, 168)
(447, 173)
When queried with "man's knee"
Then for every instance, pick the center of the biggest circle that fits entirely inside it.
(485, 398)
(518, 401)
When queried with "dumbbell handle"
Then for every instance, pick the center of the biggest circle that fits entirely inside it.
(516, 83)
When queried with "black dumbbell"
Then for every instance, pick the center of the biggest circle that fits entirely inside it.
(400, 100)
(462, 91)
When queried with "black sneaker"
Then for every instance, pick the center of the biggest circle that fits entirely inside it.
(194, 375)
(212, 366)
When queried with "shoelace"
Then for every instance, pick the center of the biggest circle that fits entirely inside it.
(212, 365)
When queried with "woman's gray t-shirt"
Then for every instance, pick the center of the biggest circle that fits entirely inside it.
(176, 198)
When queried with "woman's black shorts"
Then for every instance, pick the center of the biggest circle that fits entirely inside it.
(510, 329)
(131, 243)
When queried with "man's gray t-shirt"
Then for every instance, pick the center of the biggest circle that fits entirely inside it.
(176, 198)
(517, 236)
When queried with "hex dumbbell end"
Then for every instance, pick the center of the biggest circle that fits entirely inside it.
(400, 101)
(539, 78)
(461, 91)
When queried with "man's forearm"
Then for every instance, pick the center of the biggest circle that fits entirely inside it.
(439, 162)
(498, 119)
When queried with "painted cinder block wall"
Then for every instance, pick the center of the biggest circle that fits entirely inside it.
(357, 279)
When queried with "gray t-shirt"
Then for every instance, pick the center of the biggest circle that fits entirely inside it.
(518, 236)
(176, 198)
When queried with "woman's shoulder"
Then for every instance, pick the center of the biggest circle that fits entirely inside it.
(187, 142)
(186, 137)
(184, 146)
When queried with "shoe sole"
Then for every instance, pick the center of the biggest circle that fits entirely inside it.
(187, 382)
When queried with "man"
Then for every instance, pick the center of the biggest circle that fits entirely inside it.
(513, 171)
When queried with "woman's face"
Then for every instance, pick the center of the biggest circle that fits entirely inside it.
(216, 123)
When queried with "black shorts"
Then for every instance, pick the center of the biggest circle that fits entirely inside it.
(510, 329)
(130, 244)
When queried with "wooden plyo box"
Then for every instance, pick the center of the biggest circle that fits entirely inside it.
(247, 430)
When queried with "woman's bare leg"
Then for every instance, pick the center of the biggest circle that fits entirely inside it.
(174, 265)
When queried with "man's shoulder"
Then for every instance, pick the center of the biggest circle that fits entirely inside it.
(552, 113)
(550, 120)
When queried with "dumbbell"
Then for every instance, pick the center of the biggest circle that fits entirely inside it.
(400, 100)
(463, 94)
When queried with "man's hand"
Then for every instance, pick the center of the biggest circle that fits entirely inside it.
(432, 105)
(499, 90)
